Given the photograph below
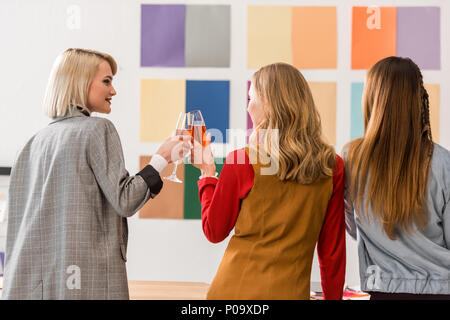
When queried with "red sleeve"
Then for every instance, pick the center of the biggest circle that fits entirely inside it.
(221, 198)
(331, 244)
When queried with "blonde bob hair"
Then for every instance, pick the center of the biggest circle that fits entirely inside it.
(302, 154)
(70, 80)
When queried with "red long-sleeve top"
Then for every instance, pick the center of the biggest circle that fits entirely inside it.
(221, 198)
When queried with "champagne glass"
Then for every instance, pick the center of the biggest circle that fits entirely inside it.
(197, 130)
(196, 126)
(181, 128)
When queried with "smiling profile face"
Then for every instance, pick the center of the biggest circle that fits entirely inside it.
(101, 90)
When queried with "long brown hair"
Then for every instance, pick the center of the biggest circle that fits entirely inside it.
(389, 164)
(303, 156)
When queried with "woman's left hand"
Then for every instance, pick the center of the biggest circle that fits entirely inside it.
(203, 158)
(175, 148)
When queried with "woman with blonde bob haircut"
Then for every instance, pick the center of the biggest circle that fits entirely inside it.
(278, 215)
(70, 194)
(398, 183)
(70, 79)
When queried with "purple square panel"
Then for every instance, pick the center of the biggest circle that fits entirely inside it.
(419, 36)
(162, 35)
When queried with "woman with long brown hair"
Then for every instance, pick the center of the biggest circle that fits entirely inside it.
(282, 194)
(398, 184)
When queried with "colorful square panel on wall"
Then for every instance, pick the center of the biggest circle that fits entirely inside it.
(192, 207)
(379, 32)
(176, 200)
(324, 95)
(434, 100)
(208, 36)
(269, 35)
(356, 117)
(314, 37)
(162, 100)
(212, 98)
(169, 203)
(305, 37)
(418, 35)
(185, 35)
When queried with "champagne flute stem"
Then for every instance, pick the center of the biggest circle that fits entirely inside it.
(174, 171)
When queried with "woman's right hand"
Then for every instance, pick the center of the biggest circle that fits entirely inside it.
(203, 158)
(175, 148)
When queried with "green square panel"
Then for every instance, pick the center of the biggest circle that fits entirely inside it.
(192, 207)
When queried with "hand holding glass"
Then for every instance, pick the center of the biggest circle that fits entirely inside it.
(180, 129)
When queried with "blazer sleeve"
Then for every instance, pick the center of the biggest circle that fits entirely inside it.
(127, 194)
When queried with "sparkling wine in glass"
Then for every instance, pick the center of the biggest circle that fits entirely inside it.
(196, 126)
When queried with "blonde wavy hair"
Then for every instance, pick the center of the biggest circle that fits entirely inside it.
(390, 162)
(303, 155)
(70, 79)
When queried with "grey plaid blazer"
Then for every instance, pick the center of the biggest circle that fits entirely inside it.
(69, 197)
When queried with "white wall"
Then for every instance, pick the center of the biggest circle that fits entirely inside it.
(34, 32)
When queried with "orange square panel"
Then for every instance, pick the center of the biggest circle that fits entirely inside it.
(374, 32)
(169, 203)
(314, 37)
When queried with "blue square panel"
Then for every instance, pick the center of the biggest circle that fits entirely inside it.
(212, 98)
